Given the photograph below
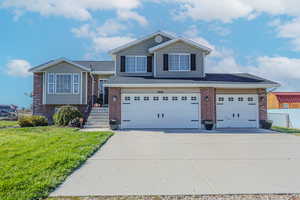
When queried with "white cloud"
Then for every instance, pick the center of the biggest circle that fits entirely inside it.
(220, 30)
(289, 30)
(229, 10)
(103, 44)
(128, 14)
(83, 31)
(208, 10)
(75, 9)
(103, 38)
(193, 34)
(18, 68)
(282, 69)
(110, 27)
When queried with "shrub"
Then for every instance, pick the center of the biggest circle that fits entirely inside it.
(114, 124)
(39, 120)
(25, 121)
(30, 121)
(75, 123)
(266, 124)
(65, 114)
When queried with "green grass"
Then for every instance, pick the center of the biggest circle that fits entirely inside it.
(5, 123)
(34, 161)
(286, 130)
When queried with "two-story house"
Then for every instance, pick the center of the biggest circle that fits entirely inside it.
(158, 81)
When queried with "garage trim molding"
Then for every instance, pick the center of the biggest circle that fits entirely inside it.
(238, 85)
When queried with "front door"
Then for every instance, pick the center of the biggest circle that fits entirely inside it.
(103, 92)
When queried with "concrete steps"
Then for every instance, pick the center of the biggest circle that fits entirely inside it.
(98, 118)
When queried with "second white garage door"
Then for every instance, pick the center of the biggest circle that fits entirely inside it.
(160, 111)
(237, 111)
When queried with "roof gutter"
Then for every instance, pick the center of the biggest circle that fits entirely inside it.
(176, 85)
(103, 72)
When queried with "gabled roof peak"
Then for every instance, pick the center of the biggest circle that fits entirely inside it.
(163, 33)
(56, 61)
(190, 42)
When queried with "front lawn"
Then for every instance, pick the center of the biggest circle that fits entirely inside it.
(286, 130)
(5, 123)
(34, 161)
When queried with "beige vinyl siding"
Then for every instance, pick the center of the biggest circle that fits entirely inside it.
(236, 91)
(179, 47)
(140, 49)
(64, 67)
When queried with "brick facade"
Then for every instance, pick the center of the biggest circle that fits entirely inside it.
(263, 103)
(208, 104)
(96, 87)
(44, 109)
(37, 93)
(49, 110)
(208, 101)
(114, 106)
(89, 89)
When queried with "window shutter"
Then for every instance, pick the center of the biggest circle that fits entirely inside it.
(193, 62)
(122, 63)
(166, 62)
(149, 64)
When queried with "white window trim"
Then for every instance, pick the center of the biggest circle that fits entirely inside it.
(54, 83)
(180, 54)
(79, 81)
(72, 84)
(135, 66)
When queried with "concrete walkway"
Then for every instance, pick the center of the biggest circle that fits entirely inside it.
(162, 163)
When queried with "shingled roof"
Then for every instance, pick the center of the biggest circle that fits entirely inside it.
(288, 97)
(98, 65)
(210, 78)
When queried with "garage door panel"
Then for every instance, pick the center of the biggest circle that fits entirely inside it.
(237, 111)
(160, 111)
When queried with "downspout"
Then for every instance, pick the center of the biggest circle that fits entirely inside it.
(271, 90)
(92, 77)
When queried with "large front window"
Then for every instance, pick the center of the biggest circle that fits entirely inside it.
(136, 64)
(63, 83)
(179, 62)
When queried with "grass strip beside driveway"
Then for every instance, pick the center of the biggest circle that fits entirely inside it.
(34, 161)
(6, 123)
(286, 130)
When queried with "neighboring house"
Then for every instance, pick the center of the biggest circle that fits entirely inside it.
(8, 112)
(158, 81)
(284, 100)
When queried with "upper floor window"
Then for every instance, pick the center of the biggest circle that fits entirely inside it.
(63, 83)
(179, 62)
(136, 64)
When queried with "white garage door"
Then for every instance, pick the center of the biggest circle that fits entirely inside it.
(237, 111)
(160, 110)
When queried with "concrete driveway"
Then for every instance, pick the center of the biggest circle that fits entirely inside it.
(170, 163)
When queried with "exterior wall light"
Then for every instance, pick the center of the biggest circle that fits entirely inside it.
(114, 98)
(206, 98)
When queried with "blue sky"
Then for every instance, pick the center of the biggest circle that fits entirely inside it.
(258, 36)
